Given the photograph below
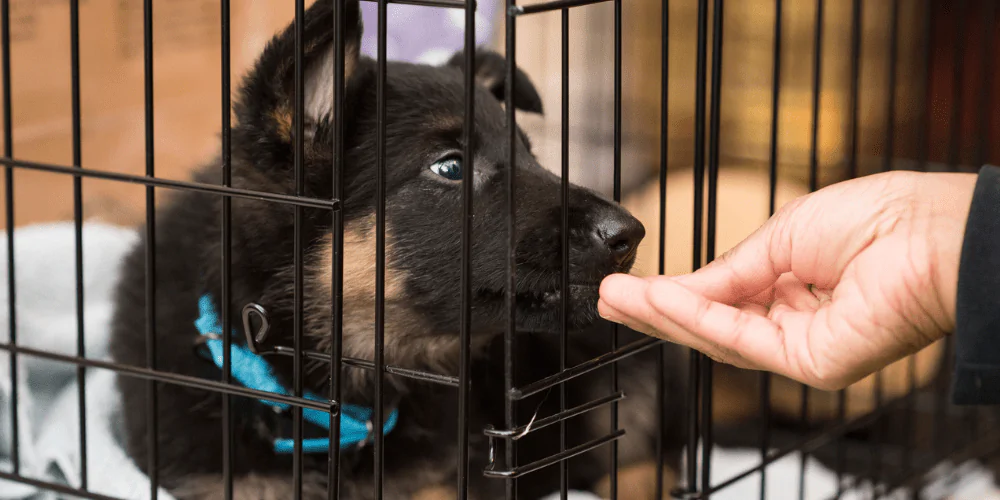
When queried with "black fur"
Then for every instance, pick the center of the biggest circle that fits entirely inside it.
(425, 109)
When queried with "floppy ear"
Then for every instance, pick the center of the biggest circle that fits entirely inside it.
(491, 72)
(267, 97)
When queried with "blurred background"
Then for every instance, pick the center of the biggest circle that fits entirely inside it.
(946, 76)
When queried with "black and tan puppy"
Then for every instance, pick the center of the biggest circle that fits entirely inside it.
(425, 109)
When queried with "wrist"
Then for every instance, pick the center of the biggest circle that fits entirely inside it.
(948, 198)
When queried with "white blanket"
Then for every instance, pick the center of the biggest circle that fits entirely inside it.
(48, 412)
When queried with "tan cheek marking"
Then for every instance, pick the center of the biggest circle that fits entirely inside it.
(283, 120)
(637, 482)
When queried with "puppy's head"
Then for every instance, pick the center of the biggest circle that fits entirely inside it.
(424, 168)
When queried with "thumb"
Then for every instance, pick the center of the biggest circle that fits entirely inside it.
(749, 268)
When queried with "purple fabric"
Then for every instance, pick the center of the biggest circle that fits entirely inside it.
(419, 34)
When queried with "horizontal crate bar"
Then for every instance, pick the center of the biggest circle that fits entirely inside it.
(523, 430)
(520, 10)
(54, 487)
(368, 365)
(583, 368)
(554, 459)
(171, 184)
(172, 378)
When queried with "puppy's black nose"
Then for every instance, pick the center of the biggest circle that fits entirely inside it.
(620, 233)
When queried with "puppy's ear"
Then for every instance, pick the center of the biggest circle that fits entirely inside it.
(267, 97)
(491, 72)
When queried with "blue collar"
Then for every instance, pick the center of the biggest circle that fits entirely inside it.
(253, 372)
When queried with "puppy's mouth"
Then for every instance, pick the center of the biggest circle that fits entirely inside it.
(550, 298)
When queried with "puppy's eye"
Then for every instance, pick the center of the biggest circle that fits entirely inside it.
(449, 168)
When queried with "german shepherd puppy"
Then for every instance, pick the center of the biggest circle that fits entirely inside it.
(425, 109)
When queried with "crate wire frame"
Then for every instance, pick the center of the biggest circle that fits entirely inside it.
(697, 483)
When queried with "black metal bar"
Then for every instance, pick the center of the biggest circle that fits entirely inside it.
(510, 333)
(697, 358)
(152, 417)
(169, 378)
(560, 418)
(661, 359)
(81, 379)
(713, 185)
(545, 462)
(617, 188)
(601, 361)
(379, 441)
(369, 365)
(8, 145)
(402, 372)
(765, 377)
(468, 213)
(298, 244)
(54, 487)
(336, 328)
(550, 6)
(227, 247)
(172, 184)
(564, 247)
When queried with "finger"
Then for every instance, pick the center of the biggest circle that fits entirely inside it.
(796, 294)
(623, 300)
(752, 337)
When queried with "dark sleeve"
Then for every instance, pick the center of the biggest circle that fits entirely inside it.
(977, 312)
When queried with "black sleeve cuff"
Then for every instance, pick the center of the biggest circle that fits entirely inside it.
(977, 312)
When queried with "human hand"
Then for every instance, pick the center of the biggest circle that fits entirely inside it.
(836, 285)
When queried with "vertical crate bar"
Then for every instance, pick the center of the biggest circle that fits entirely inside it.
(618, 198)
(661, 360)
(297, 320)
(8, 145)
(152, 422)
(380, 89)
(336, 327)
(81, 381)
(468, 178)
(765, 377)
(698, 214)
(510, 337)
(226, 297)
(564, 251)
(713, 184)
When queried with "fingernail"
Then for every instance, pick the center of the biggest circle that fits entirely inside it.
(605, 311)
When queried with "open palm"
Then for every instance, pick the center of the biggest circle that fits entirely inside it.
(836, 285)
